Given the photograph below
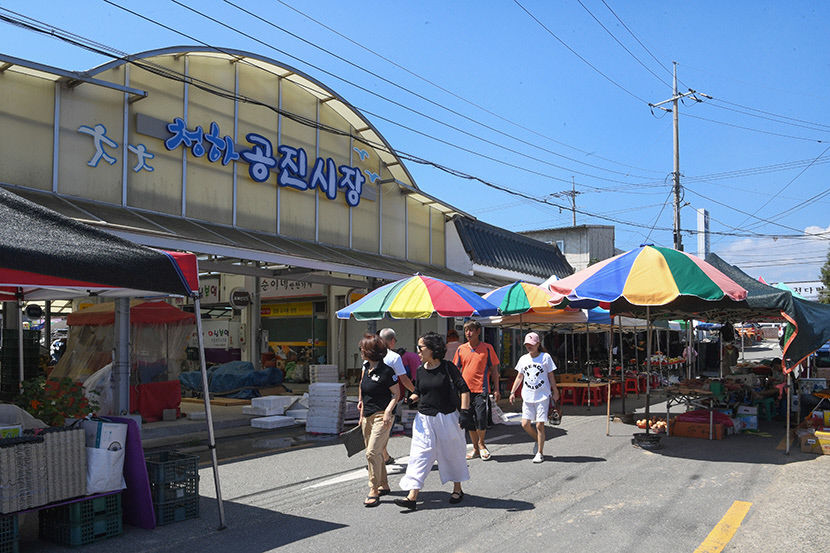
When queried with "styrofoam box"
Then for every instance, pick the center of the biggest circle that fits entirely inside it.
(297, 413)
(273, 402)
(747, 410)
(273, 422)
(262, 411)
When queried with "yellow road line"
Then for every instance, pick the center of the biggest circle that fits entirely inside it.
(722, 533)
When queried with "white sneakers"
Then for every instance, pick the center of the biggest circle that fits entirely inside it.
(538, 458)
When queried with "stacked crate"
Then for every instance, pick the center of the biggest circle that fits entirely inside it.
(64, 454)
(23, 484)
(9, 536)
(174, 486)
(82, 522)
(326, 408)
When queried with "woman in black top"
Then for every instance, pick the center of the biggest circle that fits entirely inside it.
(377, 397)
(437, 430)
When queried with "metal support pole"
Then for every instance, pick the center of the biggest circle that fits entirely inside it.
(789, 408)
(208, 416)
(121, 358)
(648, 365)
(20, 364)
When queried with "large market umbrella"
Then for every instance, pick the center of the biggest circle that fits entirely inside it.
(418, 297)
(654, 281)
(520, 297)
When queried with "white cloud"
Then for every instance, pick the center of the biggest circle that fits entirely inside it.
(782, 259)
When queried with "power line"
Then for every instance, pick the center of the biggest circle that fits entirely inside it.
(753, 130)
(809, 126)
(457, 96)
(575, 53)
(669, 71)
(623, 46)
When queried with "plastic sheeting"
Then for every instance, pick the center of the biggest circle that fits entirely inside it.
(235, 379)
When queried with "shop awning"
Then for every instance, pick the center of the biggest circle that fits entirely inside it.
(232, 243)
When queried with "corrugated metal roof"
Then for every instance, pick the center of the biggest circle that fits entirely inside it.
(496, 247)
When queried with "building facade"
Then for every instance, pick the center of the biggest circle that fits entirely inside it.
(581, 245)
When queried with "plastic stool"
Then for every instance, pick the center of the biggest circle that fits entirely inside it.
(568, 396)
(765, 407)
(631, 385)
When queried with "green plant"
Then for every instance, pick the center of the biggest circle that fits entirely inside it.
(52, 401)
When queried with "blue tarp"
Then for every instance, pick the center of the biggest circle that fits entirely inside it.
(233, 376)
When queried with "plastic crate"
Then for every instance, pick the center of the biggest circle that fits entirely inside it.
(171, 466)
(171, 491)
(73, 535)
(176, 511)
(8, 534)
(83, 512)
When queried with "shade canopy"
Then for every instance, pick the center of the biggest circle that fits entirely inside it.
(418, 297)
(48, 256)
(544, 320)
(520, 297)
(670, 283)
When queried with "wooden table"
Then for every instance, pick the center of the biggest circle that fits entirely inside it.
(704, 399)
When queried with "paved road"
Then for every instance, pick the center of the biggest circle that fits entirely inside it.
(594, 493)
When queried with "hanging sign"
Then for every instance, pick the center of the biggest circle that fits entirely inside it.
(240, 298)
(272, 288)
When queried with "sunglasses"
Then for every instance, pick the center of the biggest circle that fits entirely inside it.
(420, 347)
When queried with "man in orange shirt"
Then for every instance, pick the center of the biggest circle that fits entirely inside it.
(479, 366)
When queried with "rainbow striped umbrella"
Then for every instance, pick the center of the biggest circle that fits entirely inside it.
(418, 297)
(663, 279)
(520, 297)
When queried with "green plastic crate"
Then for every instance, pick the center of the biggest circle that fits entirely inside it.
(176, 511)
(8, 534)
(171, 466)
(82, 512)
(73, 535)
(178, 489)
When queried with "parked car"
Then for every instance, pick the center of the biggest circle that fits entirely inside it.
(822, 355)
(749, 331)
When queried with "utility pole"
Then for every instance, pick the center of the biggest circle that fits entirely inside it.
(678, 239)
(573, 199)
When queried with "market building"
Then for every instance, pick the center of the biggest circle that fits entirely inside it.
(291, 198)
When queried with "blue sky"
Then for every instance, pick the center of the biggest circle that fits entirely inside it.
(534, 95)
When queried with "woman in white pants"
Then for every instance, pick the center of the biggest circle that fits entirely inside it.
(437, 432)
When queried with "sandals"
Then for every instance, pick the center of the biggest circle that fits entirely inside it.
(485, 455)
(383, 491)
(372, 501)
(474, 454)
(409, 504)
(456, 497)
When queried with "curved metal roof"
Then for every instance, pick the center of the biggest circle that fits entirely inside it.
(363, 127)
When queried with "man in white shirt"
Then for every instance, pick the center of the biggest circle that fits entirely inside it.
(393, 360)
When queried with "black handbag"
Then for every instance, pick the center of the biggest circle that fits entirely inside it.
(353, 440)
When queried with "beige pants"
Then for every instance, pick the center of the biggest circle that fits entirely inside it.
(375, 435)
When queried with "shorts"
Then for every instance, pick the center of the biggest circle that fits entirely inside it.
(535, 411)
(478, 404)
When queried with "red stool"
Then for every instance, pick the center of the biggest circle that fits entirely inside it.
(632, 385)
(616, 389)
(568, 395)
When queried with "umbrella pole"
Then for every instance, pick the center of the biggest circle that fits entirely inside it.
(610, 374)
(206, 395)
(565, 339)
(587, 349)
(622, 363)
(648, 366)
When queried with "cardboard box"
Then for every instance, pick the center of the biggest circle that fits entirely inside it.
(747, 410)
(823, 441)
(682, 429)
(808, 442)
(750, 422)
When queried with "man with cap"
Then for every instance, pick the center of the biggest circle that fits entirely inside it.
(535, 377)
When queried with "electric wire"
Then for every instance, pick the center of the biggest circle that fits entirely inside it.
(575, 53)
(457, 96)
(754, 130)
(623, 46)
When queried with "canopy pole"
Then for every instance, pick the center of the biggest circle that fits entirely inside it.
(587, 350)
(648, 366)
(208, 416)
(565, 338)
(789, 409)
(20, 363)
(121, 358)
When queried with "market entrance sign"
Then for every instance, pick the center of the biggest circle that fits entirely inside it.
(292, 167)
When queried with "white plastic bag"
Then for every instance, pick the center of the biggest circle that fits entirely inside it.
(104, 470)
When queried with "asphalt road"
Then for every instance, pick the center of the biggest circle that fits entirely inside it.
(593, 493)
